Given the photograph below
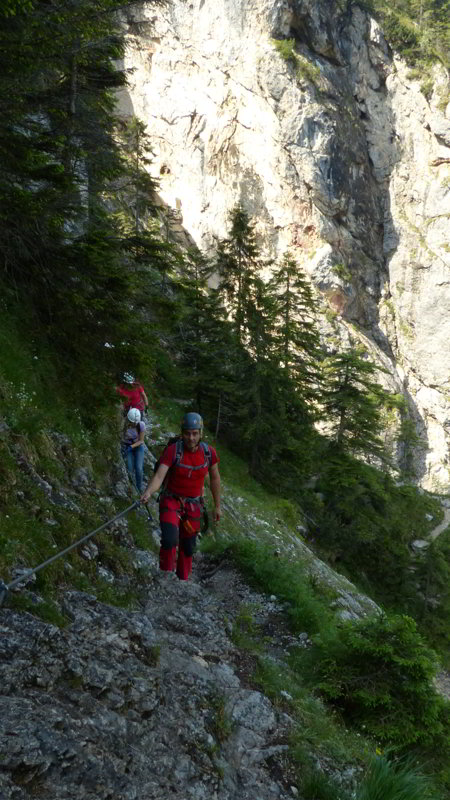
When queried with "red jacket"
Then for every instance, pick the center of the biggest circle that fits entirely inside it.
(132, 396)
(182, 481)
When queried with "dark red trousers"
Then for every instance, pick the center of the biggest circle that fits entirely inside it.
(180, 521)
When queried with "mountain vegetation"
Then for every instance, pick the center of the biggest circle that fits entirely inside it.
(420, 31)
(90, 285)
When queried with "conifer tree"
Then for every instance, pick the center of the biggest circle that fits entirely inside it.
(251, 310)
(59, 248)
(217, 357)
(135, 190)
(257, 377)
(202, 338)
(353, 400)
(238, 262)
(276, 344)
(297, 337)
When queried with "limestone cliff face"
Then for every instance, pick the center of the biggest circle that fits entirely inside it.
(334, 152)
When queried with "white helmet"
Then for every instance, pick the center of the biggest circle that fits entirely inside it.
(128, 377)
(134, 415)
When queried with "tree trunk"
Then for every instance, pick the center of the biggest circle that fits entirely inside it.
(216, 433)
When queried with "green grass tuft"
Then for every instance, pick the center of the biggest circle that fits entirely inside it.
(390, 780)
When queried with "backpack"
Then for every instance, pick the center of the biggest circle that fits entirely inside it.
(179, 453)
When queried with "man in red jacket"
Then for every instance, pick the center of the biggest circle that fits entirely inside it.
(180, 506)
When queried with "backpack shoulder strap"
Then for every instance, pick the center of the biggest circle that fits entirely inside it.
(178, 452)
(207, 452)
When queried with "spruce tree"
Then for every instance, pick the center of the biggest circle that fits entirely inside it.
(253, 369)
(238, 262)
(205, 343)
(135, 190)
(257, 378)
(352, 401)
(297, 336)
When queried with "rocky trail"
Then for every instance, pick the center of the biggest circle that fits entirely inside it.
(155, 703)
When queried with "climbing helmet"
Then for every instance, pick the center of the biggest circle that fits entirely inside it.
(134, 415)
(192, 421)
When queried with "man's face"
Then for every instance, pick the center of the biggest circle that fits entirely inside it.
(191, 439)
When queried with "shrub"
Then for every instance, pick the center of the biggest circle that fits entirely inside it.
(285, 48)
(342, 272)
(379, 672)
(303, 68)
(308, 71)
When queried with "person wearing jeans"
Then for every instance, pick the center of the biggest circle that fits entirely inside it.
(133, 447)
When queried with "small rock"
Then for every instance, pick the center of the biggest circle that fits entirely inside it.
(90, 551)
(106, 574)
(20, 572)
(419, 545)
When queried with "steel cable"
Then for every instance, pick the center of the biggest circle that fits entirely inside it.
(6, 587)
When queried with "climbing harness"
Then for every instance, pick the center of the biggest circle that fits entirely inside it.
(6, 587)
(200, 501)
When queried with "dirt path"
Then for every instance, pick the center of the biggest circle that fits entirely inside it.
(441, 527)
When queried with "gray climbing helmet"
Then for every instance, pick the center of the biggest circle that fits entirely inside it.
(191, 422)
